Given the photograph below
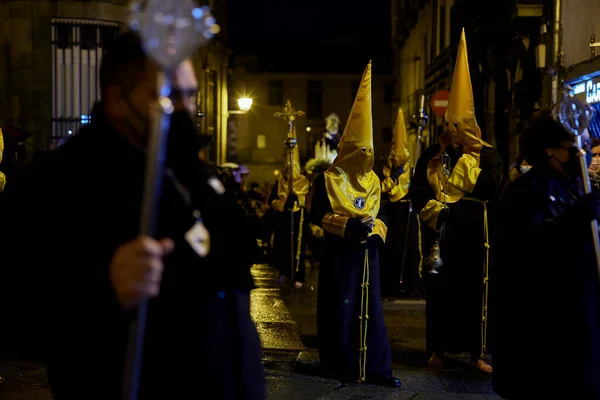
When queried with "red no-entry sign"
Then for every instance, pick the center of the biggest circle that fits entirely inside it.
(439, 102)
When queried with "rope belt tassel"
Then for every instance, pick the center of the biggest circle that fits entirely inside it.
(299, 250)
(486, 280)
(364, 319)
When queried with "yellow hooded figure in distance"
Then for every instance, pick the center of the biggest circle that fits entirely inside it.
(346, 204)
(289, 260)
(453, 183)
(399, 161)
(300, 184)
(353, 188)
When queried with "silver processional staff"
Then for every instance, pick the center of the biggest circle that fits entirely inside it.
(171, 30)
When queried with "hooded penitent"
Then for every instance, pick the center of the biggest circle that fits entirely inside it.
(300, 183)
(398, 158)
(353, 187)
(462, 130)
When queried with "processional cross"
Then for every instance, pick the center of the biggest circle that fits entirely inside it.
(289, 114)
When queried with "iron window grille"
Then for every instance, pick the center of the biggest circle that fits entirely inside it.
(77, 49)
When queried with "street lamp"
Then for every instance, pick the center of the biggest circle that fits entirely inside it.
(244, 103)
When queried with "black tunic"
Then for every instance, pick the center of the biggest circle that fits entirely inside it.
(548, 297)
(401, 256)
(339, 303)
(68, 215)
(282, 241)
(455, 296)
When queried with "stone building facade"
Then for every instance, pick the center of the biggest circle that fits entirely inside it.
(261, 136)
(49, 63)
(581, 53)
(502, 36)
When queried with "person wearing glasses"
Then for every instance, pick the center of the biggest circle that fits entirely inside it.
(82, 268)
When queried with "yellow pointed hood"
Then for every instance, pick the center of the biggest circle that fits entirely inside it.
(300, 182)
(399, 157)
(461, 125)
(461, 128)
(353, 187)
(399, 154)
(358, 133)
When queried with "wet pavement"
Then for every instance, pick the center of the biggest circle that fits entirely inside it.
(292, 361)
(286, 320)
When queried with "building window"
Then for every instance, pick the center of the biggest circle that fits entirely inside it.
(442, 27)
(355, 86)
(314, 100)
(432, 54)
(261, 141)
(77, 48)
(275, 93)
(388, 94)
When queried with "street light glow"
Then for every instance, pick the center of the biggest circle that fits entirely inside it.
(244, 103)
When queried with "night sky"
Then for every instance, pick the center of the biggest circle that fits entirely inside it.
(312, 35)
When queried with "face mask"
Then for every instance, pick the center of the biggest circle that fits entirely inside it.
(573, 166)
(141, 127)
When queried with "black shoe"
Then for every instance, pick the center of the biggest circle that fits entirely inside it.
(389, 381)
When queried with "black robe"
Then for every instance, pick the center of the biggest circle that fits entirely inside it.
(339, 303)
(282, 240)
(314, 244)
(455, 296)
(548, 297)
(68, 214)
(401, 256)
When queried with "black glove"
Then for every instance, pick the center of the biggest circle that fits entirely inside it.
(291, 200)
(588, 206)
(454, 154)
(356, 231)
(373, 242)
(443, 217)
(396, 172)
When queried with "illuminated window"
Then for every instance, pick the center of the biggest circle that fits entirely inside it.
(261, 141)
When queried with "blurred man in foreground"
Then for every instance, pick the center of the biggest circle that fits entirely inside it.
(84, 269)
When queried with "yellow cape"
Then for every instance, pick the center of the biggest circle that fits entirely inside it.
(353, 188)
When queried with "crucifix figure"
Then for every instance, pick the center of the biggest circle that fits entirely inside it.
(289, 114)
